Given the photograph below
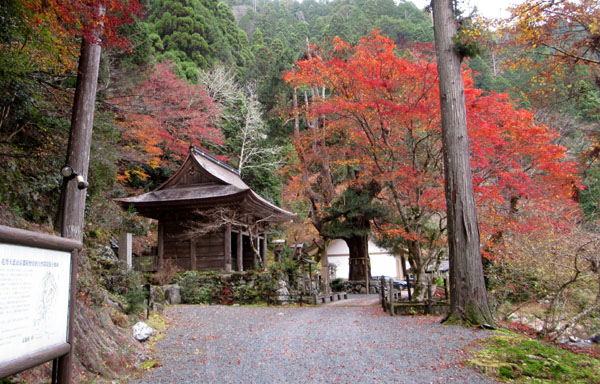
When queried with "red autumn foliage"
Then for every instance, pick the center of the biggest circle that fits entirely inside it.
(380, 116)
(83, 17)
(167, 115)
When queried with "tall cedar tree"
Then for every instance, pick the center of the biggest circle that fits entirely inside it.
(468, 294)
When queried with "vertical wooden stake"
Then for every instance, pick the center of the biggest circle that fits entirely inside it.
(429, 296)
(391, 296)
(383, 293)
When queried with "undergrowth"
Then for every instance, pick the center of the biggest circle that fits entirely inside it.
(515, 358)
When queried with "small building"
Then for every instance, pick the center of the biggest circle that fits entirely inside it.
(206, 192)
(383, 262)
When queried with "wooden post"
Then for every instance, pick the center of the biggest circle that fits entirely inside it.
(325, 269)
(446, 288)
(78, 157)
(391, 297)
(161, 244)
(263, 250)
(240, 251)
(193, 259)
(227, 248)
(366, 261)
(383, 293)
(429, 296)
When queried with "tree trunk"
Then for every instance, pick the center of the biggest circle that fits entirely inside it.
(418, 267)
(467, 287)
(360, 265)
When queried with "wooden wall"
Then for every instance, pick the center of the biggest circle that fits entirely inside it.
(208, 250)
(248, 254)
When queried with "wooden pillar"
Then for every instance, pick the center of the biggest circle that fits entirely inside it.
(161, 244)
(227, 248)
(193, 260)
(325, 269)
(240, 251)
(263, 250)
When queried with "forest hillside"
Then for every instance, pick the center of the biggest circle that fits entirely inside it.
(247, 80)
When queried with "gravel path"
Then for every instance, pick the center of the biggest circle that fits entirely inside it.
(327, 344)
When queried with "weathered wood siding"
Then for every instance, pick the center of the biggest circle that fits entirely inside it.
(248, 254)
(210, 252)
(176, 247)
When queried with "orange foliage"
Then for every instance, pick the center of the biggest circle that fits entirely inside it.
(381, 118)
(83, 17)
(166, 116)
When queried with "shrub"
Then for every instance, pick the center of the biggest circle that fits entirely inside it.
(192, 292)
(136, 300)
(337, 284)
(167, 274)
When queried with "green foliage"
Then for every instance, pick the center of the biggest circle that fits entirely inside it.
(113, 274)
(196, 34)
(192, 290)
(517, 359)
(351, 214)
(135, 299)
(337, 284)
(247, 295)
(287, 265)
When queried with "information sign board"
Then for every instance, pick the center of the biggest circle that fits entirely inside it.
(34, 299)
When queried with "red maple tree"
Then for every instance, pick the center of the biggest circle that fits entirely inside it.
(167, 115)
(380, 116)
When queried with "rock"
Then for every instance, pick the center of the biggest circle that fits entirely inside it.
(172, 294)
(596, 339)
(157, 307)
(574, 339)
(282, 292)
(157, 295)
(534, 357)
(363, 290)
(141, 331)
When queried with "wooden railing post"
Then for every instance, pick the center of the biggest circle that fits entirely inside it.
(383, 293)
(391, 297)
(429, 297)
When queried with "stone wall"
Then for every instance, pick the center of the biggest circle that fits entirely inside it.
(194, 287)
(359, 287)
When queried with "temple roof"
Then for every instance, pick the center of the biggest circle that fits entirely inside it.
(203, 182)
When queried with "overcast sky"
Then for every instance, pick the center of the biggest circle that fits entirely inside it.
(488, 8)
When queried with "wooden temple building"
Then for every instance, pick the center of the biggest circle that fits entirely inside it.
(204, 184)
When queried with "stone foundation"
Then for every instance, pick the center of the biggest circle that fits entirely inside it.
(233, 288)
(420, 308)
(358, 287)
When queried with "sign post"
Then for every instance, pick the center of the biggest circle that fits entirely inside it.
(37, 292)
